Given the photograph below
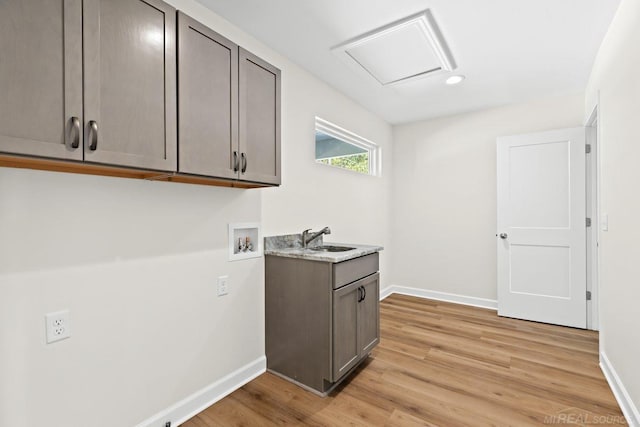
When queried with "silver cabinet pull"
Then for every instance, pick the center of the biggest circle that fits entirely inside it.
(73, 133)
(244, 162)
(503, 235)
(93, 135)
(236, 164)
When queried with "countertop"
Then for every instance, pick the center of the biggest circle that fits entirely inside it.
(290, 246)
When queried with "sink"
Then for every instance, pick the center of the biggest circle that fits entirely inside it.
(328, 248)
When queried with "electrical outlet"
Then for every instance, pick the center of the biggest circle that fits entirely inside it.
(58, 326)
(223, 285)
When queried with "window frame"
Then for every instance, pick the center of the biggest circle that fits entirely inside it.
(342, 134)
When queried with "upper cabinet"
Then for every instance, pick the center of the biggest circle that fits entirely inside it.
(134, 88)
(127, 90)
(207, 101)
(130, 83)
(41, 78)
(259, 120)
(229, 108)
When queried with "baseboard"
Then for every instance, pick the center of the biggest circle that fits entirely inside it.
(386, 292)
(440, 296)
(202, 399)
(629, 409)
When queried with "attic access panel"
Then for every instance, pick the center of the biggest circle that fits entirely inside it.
(404, 50)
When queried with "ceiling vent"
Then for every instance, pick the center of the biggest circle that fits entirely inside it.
(405, 50)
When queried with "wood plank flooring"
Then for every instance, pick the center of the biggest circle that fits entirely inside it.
(442, 364)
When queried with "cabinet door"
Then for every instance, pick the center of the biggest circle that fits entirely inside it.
(130, 83)
(207, 101)
(41, 78)
(259, 120)
(346, 352)
(369, 315)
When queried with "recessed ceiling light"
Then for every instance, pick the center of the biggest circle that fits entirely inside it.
(454, 80)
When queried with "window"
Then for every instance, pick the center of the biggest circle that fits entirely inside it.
(340, 148)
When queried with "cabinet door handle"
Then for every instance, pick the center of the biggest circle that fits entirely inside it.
(236, 164)
(364, 293)
(73, 133)
(359, 293)
(93, 135)
(244, 162)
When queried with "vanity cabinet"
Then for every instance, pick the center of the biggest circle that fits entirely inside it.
(90, 80)
(317, 329)
(356, 324)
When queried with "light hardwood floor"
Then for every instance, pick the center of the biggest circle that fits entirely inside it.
(447, 365)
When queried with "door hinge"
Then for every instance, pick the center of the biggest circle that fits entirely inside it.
(588, 295)
(588, 222)
(587, 148)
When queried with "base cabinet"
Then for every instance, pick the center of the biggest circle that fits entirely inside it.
(356, 324)
(318, 330)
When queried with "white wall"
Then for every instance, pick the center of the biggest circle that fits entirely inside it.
(355, 206)
(615, 79)
(135, 262)
(444, 194)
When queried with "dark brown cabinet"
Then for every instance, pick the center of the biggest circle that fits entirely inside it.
(318, 329)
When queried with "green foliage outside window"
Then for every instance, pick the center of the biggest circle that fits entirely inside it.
(355, 162)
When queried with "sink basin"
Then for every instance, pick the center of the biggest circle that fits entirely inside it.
(329, 248)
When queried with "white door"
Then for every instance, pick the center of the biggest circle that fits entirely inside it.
(541, 227)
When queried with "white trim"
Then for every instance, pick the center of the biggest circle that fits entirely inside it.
(202, 399)
(386, 292)
(629, 409)
(375, 155)
(593, 210)
(440, 296)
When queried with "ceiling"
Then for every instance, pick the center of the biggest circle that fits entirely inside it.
(509, 50)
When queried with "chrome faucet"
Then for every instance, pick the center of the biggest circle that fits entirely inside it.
(308, 236)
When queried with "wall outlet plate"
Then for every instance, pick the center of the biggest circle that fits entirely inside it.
(223, 285)
(58, 326)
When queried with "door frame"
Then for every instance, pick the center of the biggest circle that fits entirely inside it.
(593, 174)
